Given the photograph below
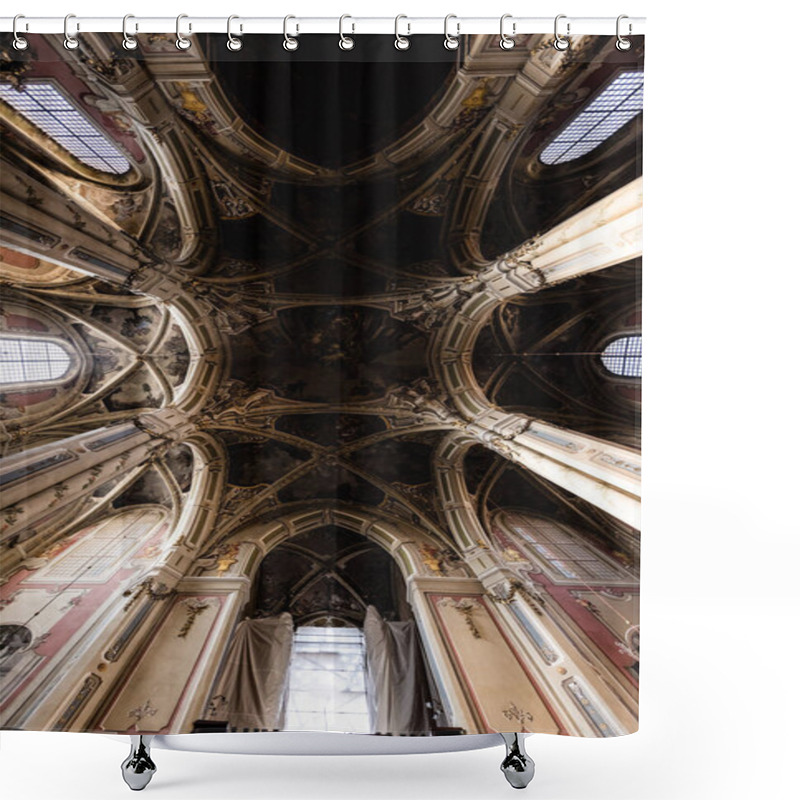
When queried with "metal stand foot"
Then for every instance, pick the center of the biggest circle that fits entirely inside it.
(518, 766)
(138, 768)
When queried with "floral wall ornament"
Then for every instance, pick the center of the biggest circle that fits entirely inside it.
(587, 604)
(12, 513)
(466, 609)
(94, 474)
(217, 707)
(194, 606)
(59, 490)
(143, 711)
(534, 599)
(514, 712)
(155, 590)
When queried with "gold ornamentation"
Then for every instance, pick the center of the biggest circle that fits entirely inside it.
(478, 97)
(432, 559)
(227, 558)
(514, 555)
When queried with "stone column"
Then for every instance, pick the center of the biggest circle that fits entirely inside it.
(35, 482)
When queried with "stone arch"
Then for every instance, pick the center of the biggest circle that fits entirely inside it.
(604, 234)
(410, 545)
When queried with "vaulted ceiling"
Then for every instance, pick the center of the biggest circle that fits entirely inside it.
(304, 199)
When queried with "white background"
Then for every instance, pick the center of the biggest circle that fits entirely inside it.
(719, 709)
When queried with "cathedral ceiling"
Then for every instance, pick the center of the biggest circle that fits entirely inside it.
(306, 241)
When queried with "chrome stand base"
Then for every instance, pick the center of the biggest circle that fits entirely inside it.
(518, 766)
(138, 768)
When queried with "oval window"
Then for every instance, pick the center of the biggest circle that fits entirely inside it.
(617, 104)
(623, 356)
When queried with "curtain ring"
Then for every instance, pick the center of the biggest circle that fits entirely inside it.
(450, 41)
(401, 42)
(346, 42)
(70, 42)
(506, 41)
(129, 42)
(560, 42)
(289, 42)
(181, 42)
(20, 43)
(234, 44)
(623, 44)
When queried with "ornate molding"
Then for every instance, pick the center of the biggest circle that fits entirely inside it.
(155, 590)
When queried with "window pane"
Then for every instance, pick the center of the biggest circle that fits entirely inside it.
(32, 360)
(619, 103)
(327, 681)
(623, 356)
(51, 112)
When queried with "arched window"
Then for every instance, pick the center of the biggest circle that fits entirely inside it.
(98, 554)
(46, 107)
(32, 360)
(623, 356)
(617, 104)
(327, 681)
(569, 559)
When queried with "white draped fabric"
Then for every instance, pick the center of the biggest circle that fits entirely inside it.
(395, 676)
(255, 677)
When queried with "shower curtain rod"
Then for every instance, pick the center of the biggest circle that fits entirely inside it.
(299, 25)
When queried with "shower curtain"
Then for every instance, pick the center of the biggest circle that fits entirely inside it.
(321, 380)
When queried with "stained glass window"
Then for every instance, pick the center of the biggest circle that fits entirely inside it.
(327, 681)
(32, 360)
(619, 103)
(52, 112)
(623, 356)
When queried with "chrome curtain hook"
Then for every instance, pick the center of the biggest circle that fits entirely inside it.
(289, 42)
(70, 42)
(560, 42)
(450, 41)
(181, 42)
(234, 44)
(346, 42)
(20, 42)
(401, 42)
(506, 41)
(128, 41)
(623, 44)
